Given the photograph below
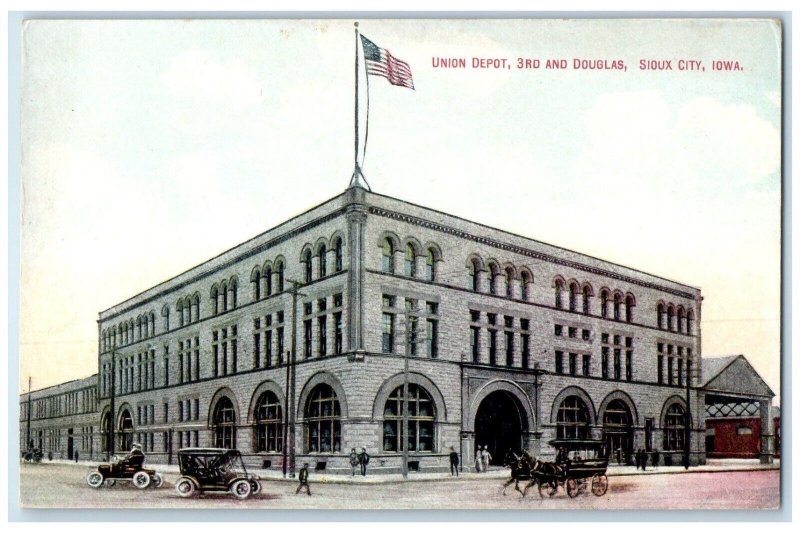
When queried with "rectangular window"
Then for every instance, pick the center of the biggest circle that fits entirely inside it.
(475, 316)
(492, 347)
(524, 324)
(338, 337)
(256, 350)
(224, 362)
(268, 348)
(629, 365)
(573, 364)
(280, 346)
(585, 334)
(509, 348)
(587, 362)
(180, 362)
(234, 350)
(307, 308)
(559, 362)
(604, 362)
(617, 363)
(474, 340)
(432, 308)
(197, 409)
(411, 304)
(669, 370)
(572, 332)
(509, 321)
(307, 338)
(616, 339)
(388, 300)
(388, 333)
(492, 318)
(526, 350)
(322, 304)
(166, 366)
(661, 369)
(432, 336)
(322, 325)
(680, 371)
(628, 342)
(180, 411)
(412, 334)
(557, 330)
(337, 300)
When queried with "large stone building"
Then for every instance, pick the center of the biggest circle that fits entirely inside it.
(510, 343)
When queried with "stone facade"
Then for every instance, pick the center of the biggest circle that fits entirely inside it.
(188, 362)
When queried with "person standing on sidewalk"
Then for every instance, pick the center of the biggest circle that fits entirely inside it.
(638, 457)
(453, 462)
(354, 461)
(486, 456)
(303, 476)
(644, 460)
(363, 460)
(478, 459)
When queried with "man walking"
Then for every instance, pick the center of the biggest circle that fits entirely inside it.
(354, 461)
(453, 462)
(303, 476)
(486, 456)
(363, 460)
(478, 458)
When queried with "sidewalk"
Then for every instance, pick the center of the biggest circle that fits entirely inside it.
(714, 465)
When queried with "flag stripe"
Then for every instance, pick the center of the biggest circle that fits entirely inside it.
(380, 62)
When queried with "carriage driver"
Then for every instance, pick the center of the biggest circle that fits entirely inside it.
(135, 457)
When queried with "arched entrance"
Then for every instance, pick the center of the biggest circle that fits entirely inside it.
(617, 432)
(499, 425)
(125, 431)
(106, 427)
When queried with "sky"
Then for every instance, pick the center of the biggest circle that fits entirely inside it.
(152, 146)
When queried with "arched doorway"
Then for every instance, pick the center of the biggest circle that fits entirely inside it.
(125, 431)
(106, 427)
(499, 425)
(617, 432)
(224, 424)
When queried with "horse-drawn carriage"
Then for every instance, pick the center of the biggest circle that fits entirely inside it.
(580, 466)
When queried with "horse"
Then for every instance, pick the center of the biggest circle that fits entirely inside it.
(520, 469)
(542, 473)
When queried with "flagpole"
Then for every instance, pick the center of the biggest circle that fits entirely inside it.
(355, 159)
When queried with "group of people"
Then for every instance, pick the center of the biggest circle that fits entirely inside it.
(641, 457)
(360, 460)
(482, 458)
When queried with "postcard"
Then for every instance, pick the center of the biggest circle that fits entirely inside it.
(400, 264)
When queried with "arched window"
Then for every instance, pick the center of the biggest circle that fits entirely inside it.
(165, 314)
(421, 420)
(559, 288)
(269, 423)
(430, 265)
(307, 266)
(280, 268)
(494, 275)
(675, 428)
(387, 257)
(660, 311)
(604, 303)
(125, 431)
(139, 327)
(670, 316)
(106, 427)
(473, 275)
(224, 424)
(509, 283)
(323, 417)
(255, 278)
(337, 247)
(152, 323)
(179, 311)
(409, 263)
(573, 419)
(617, 306)
(524, 280)
(630, 303)
(573, 296)
(196, 307)
(681, 318)
(586, 294)
(323, 261)
(689, 321)
(268, 281)
(214, 300)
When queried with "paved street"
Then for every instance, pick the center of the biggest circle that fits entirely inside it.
(63, 485)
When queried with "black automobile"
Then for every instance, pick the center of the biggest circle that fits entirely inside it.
(214, 470)
(129, 468)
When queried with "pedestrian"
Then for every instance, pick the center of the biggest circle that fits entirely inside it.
(644, 460)
(637, 455)
(655, 458)
(453, 462)
(486, 456)
(303, 476)
(478, 459)
(354, 461)
(76, 456)
(50, 456)
(363, 460)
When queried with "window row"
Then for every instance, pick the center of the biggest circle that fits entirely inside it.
(416, 260)
(129, 331)
(413, 318)
(675, 318)
(674, 364)
(268, 340)
(613, 304)
(188, 410)
(486, 341)
(506, 280)
(321, 255)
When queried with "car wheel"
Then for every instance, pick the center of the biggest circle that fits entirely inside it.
(157, 480)
(241, 489)
(185, 487)
(255, 486)
(141, 479)
(95, 480)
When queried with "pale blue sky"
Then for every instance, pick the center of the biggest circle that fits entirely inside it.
(149, 147)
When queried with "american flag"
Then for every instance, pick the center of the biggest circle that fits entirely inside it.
(382, 63)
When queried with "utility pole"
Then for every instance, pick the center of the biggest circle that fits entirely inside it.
(404, 441)
(110, 438)
(688, 428)
(28, 429)
(291, 374)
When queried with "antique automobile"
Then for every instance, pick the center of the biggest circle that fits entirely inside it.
(581, 465)
(32, 455)
(214, 470)
(130, 468)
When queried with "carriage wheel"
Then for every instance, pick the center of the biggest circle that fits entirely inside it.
(157, 480)
(548, 487)
(95, 480)
(572, 487)
(141, 480)
(185, 487)
(599, 484)
(255, 486)
(241, 489)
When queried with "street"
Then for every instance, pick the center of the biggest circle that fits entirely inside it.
(64, 486)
